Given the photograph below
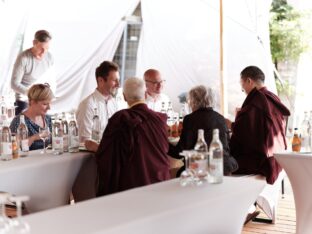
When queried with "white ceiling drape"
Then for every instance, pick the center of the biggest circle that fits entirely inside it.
(85, 33)
(181, 38)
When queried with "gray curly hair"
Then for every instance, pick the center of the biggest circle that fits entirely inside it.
(201, 97)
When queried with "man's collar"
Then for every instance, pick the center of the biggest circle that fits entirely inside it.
(101, 96)
(150, 97)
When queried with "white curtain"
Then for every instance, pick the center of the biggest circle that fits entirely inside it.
(85, 33)
(181, 38)
(13, 20)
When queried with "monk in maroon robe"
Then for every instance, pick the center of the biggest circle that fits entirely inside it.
(259, 128)
(134, 146)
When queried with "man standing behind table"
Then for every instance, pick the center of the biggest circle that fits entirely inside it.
(154, 87)
(103, 99)
(33, 65)
(133, 150)
(259, 128)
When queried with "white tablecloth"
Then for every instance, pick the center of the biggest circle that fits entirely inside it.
(160, 208)
(46, 179)
(298, 167)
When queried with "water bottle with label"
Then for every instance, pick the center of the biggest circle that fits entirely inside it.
(64, 124)
(215, 159)
(73, 145)
(305, 128)
(6, 143)
(199, 159)
(22, 137)
(96, 127)
(57, 138)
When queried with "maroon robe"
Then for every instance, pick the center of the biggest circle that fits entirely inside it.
(258, 132)
(133, 150)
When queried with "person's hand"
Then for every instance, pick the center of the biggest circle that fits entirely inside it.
(91, 145)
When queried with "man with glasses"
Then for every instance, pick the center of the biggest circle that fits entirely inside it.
(33, 65)
(154, 97)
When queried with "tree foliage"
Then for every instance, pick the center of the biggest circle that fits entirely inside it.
(287, 32)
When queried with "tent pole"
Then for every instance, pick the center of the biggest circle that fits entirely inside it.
(222, 94)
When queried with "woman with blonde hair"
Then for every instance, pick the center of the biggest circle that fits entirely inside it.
(36, 118)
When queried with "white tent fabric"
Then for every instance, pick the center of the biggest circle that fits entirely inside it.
(181, 38)
(85, 33)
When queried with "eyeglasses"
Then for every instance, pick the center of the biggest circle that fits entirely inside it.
(156, 82)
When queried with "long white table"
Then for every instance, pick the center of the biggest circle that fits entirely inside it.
(159, 208)
(298, 167)
(46, 179)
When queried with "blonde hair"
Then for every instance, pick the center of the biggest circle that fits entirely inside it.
(40, 92)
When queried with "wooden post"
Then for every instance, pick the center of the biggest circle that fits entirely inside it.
(223, 105)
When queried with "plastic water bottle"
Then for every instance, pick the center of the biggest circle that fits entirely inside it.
(215, 159)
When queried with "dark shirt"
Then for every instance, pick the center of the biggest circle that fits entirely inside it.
(206, 119)
(33, 129)
(258, 132)
(133, 150)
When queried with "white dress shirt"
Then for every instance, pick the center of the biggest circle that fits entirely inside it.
(106, 106)
(156, 103)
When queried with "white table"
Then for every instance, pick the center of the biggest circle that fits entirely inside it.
(46, 179)
(159, 208)
(298, 167)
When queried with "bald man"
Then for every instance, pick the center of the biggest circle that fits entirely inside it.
(154, 97)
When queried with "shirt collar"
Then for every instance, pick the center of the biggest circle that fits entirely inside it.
(101, 96)
(150, 98)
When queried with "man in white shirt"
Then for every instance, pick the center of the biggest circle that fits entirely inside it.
(154, 86)
(103, 99)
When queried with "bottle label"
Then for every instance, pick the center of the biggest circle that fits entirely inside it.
(24, 145)
(65, 142)
(74, 141)
(6, 148)
(58, 143)
(216, 167)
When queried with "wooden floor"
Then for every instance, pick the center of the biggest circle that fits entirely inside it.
(286, 217)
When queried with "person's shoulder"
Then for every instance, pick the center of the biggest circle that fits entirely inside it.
(50, 57)
(24, 56)
(88, 100)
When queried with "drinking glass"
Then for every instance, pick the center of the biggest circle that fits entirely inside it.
(44, 134)
(187, 176)
(5, 222)
(18, 225)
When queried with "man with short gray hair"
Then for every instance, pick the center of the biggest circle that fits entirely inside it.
(133, 149)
